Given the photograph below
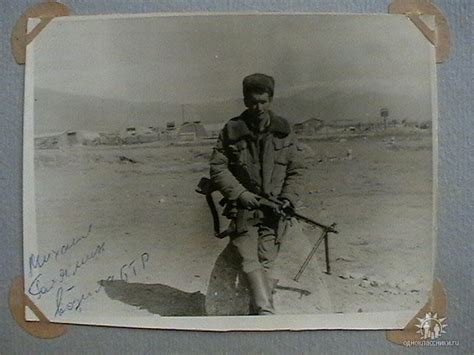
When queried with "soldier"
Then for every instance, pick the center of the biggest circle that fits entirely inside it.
(256, 155)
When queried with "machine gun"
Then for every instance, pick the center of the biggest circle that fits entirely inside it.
(205, 188)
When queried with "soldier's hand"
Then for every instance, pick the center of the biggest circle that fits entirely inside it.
(248, 200)
(286, 204)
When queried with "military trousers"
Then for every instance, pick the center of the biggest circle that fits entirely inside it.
(257, 243)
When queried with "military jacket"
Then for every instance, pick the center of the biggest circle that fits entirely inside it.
(268, 164)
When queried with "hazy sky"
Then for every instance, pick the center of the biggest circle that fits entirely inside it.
(202, 59)
(198, 58)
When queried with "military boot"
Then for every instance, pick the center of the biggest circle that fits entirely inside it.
(262, 299)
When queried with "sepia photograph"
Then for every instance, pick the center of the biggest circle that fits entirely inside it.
(230, 171)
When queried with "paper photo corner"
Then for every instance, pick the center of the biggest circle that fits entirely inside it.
(435, 310)
(22, 308)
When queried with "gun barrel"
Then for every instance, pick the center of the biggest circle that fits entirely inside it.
(330, 228)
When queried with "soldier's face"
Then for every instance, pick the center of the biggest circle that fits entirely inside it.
(258, 104)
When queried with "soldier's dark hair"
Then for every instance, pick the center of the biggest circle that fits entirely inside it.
(259, 84)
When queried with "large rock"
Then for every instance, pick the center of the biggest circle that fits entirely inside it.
(228, 292)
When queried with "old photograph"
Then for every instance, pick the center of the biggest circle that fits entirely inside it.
(230, 171)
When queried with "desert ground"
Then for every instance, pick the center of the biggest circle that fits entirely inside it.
(121, 231)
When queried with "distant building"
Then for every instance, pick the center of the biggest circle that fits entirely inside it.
(343, 123)
(134, 135)
(170, 126)
(308, 127)
(72, 138)
(195, 127)
(131, 131)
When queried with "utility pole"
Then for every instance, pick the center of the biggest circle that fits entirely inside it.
(384, 114)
